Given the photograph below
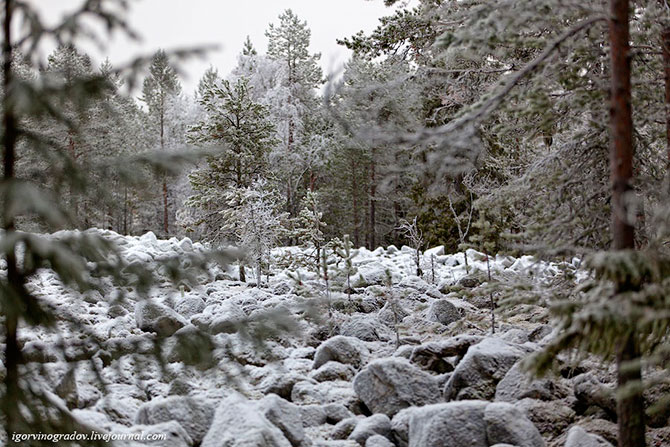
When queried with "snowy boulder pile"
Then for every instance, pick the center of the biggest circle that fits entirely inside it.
(407, 364)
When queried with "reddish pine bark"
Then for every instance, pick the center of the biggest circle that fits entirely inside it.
(630, 409)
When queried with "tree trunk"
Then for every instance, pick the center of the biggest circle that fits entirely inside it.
(665, 35)
(630, 408)
(373, 192)
(354, 196)
(165, 188)
(243, 276)
(10, 298)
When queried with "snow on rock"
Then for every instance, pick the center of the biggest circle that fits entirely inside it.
(578, 437)
(389, 385)
(194, 415)
(347, 350)
(155, 317)
(239, 423)
(482, 367)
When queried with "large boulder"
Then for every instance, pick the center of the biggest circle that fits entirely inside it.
(378, 441)
(480, 370)
(551, 417)
(391, 384)
(447, 425)
(333, 371)
(506, 424)
(347, 350)
(239, 423)
(194, 415)
(152, 316)
(171, 432)
(392, 313)
(444, 312)
(362, 327)
(590, 392)
(578, 437)
(377, 424)
(190, 305)
(517, 385)
(223, 317)
(472, 423)
(433, 356)
(286, 417)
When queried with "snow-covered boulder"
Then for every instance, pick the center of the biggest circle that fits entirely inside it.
(434, 356)
(389, 385)
(239, 423)
(378, 441)
(377, 424)
(152, 316)
(217, 318)
(362, 327)
(551, 417)
(482, 367)
(578, 437)
(194, 415)
(333, 371)
(517, 385)
(392, 313)
(189, 305)
(286, 417)
(174, 433)
(308, 392)
(444, 312)
(444, 425)
(506, 424)
(347, 350)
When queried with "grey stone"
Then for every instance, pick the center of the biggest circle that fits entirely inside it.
(444, 312)
(174, 433)
(550, 417)
(589, 391)
(506, 424)
(449, 424)
(480, 370)
(152, 316)
(362, 327)
(517, 385)
(239, 423)
(190, 305)
(344, 428)
(578, 437)
(378, 441)
(333, 371)
(389, 385)
(195, 416)
(347, 350)
(285, 416)
(377, 424)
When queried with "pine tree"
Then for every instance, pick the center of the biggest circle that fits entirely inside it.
(157, 89)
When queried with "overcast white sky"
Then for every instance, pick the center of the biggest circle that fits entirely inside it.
(226, 23)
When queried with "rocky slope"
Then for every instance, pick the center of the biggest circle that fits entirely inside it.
(337, 381)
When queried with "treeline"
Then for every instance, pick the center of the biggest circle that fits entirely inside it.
(488, 124)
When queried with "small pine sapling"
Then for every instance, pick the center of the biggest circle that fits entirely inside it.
(324, 262)
(390, 297)
(346, 255)
(463, 227)
(415, 237)
(308, 229)
(486, 240)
